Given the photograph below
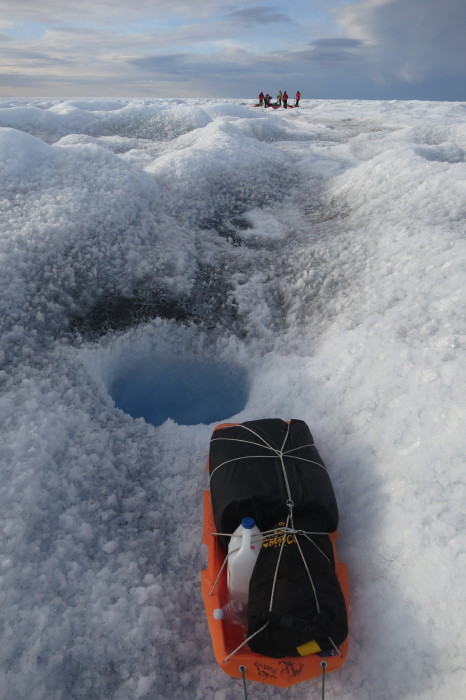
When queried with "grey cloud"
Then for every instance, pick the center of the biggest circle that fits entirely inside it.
(45, 83)
(172, 65)
(412, 41)
(258, 15)
(14, 80)
(338, 50)
(65, 29)
(184, 65)
(338, 43)
(87, 11)
(33, 82)
(23, 56)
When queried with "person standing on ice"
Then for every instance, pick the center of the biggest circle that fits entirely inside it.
(279, 98)
(285, 100)
(261, 99)
(298, 97)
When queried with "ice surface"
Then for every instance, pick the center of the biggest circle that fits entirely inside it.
(198, 260)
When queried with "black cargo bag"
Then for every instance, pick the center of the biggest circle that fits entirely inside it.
(259, 469)
(247, 476)
(307, 604)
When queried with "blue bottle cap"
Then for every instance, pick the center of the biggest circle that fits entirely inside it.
(248, 523)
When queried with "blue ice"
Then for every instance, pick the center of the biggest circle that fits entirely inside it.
(189, 392)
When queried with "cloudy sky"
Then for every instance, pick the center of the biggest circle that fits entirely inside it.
(368, 49)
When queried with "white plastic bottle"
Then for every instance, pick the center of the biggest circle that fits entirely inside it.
(243, 550)
(233, 612)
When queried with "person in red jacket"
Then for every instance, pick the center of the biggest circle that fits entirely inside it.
(261, 98)
(298, 97)
(285, 100)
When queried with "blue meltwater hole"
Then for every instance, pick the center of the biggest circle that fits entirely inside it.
(188, 391)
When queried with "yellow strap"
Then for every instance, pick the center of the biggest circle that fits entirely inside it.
(309, 648)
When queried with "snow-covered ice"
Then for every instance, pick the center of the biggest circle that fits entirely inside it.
(192, 261)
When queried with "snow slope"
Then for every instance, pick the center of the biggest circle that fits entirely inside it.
(192, 261)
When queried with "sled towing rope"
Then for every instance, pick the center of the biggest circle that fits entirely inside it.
(323, 665)
(299, 590)
(243, 674)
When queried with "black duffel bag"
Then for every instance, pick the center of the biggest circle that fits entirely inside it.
(247, 478)
(307, 613)
(271, 470)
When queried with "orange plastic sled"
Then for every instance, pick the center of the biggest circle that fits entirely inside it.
(226, 637)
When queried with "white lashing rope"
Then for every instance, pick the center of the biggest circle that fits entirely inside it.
(305, 534)
(308, 572)
(304, 459)
(237, 459)
(246, 641)
(282, 529)
(274, 456)
(282, 545)
(276, 531)
(254, 538)
(335, 647)
(285, 475)
(276, 452)
(220, 572)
